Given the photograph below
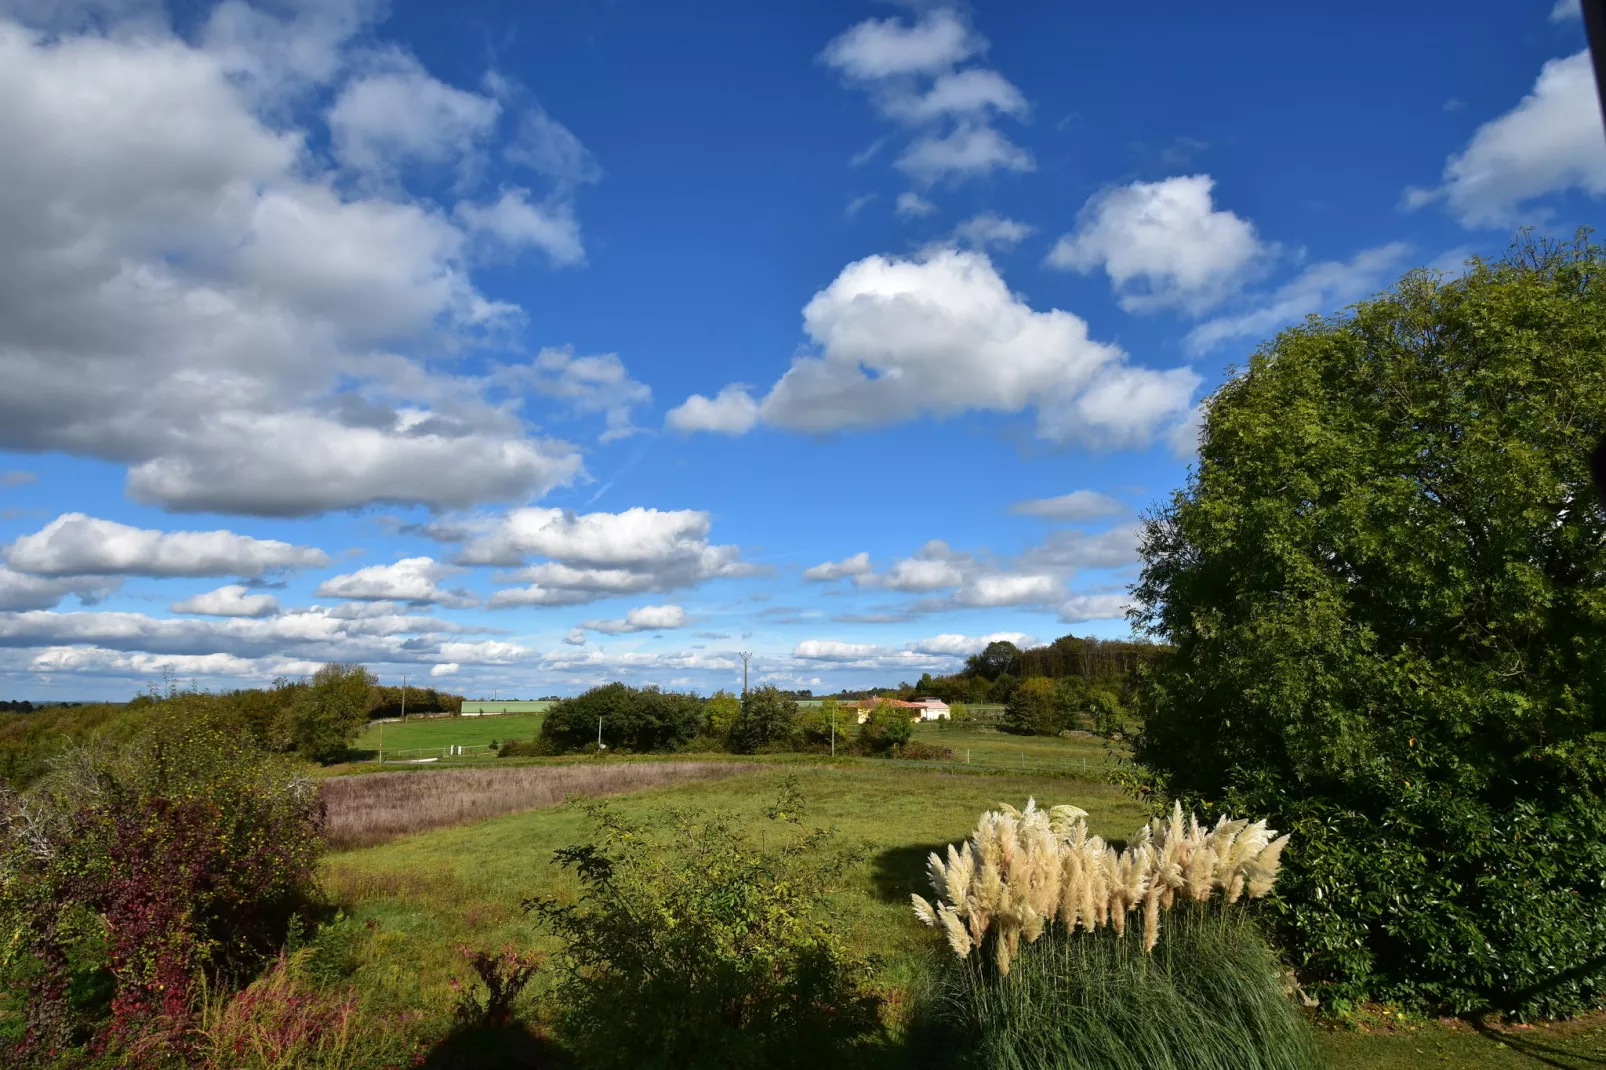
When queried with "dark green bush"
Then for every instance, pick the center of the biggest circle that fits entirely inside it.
(633, 719)
(769, 720)
(886, 727)
(1209, 997)
(916, 751)
(1037, 707)
(1386, 587)
(694, 946)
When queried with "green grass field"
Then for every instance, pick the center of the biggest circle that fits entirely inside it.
(427, 894)
(985, 747)
(440, 732)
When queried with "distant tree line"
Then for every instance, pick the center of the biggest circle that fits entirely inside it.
(766, 719)
(317, 717)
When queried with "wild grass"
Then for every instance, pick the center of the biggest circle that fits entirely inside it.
(1209, 997)
(367, 810)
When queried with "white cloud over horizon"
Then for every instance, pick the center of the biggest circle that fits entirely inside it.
(934, 336)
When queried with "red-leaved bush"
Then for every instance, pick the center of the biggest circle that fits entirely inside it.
(182, 855)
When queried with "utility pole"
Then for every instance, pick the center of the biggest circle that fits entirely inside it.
(746, 656)
(404, 696)
(599, 733)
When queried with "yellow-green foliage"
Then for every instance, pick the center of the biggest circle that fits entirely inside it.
(1023, 868)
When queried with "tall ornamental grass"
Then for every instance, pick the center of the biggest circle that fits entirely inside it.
(1207, 997)
(1024, 869)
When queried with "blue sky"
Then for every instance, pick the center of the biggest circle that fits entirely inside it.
(519, 348)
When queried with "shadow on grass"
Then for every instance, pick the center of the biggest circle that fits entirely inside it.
(1531, 1048)
(898, 871)
(479, 1048)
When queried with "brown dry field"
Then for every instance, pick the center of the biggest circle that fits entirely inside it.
(365, 810)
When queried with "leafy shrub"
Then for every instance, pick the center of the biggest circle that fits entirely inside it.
(887, 726)
(505, 974)
(185, 851)
(768, 720)
(1036, 707)
(1384, 586)
(694, 946)
(1209, 997)
(526, 748)
(633, 719)
(818, 725)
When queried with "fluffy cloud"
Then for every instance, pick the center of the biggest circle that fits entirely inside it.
(1566, 10)
(594, 555)
(941, 334)
(968, 151)
(1163, 244)
(232, 600)
(1320, 288)
(314, 635)
(991, 229)
(857, 565)
(732, 412)
(445, 668)
(890, 48)
(965, 645)
(400, 114)
(596, 384)
(1070, 550)
(938, 653)
(514, 222)
(15, 477)
(918, 574)
(187, 293)
(77, 545)
(913, 206)
(641, 619)
(910, 72)
(96, 661)
(415, 580)
(1094, 607)
(22, 591)
(1077, 505)
(1548, 143)
(1010, 590)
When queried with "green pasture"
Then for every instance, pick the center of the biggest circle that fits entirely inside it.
(984, 747)
(484, 706)
(411, 904)
(441, 732)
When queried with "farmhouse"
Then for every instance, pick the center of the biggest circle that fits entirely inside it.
(923, 709)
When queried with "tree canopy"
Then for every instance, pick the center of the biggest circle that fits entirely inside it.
(1385, 584)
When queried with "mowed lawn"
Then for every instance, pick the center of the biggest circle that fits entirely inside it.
(443, 732)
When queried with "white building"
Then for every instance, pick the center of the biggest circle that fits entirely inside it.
(931, 709)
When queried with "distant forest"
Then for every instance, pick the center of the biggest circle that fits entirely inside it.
(992, 675)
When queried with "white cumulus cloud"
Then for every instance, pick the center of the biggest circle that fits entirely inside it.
(731, 412)
(74, 544)
(1163, 244)
(1077, 505)
(857, 565)
(233, 600)
(941, 334)
(641, 619)
(1550, 142)
(188, 291)
(414, 580)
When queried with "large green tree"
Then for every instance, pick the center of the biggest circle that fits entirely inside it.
(1386, 586)
(330, 712)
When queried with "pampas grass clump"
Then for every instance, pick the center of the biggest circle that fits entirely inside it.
(1022, 869)
(1208, 997)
